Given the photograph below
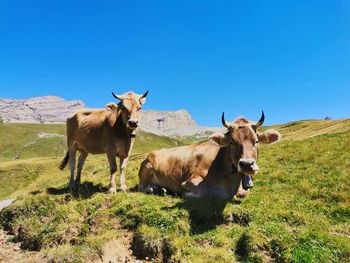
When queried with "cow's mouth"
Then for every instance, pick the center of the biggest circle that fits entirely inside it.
(250, 172)
(132, 126)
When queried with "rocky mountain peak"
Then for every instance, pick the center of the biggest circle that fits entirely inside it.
(46, 109)
(53, 109)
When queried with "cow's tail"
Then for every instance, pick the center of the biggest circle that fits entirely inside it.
(64, 162)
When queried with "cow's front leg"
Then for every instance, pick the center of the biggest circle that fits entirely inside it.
(242, 193)
(123, 164)
(113, 171)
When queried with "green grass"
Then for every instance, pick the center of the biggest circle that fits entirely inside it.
(298, 210)
(23, 141)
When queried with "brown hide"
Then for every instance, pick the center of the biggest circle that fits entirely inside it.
(179, 169)
(99, 131)
(212, 168)
(110, 131)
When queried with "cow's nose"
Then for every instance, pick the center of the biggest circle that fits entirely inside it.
(133, 123)
(248, 165)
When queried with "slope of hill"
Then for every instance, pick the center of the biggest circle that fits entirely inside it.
(20, 141)
(298, 210)
(310, 128)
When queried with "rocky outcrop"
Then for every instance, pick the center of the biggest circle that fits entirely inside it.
(47, 109)
(51, 109)
(172, 123)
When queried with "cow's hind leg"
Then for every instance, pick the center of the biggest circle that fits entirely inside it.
(81, 162)
(72, 155)
(113, 170)
(146, 177)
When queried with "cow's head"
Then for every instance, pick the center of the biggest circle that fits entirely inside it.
(242, 138)
(130, 104)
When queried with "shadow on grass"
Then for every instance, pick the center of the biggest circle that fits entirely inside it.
(204, 214)
(86, 190)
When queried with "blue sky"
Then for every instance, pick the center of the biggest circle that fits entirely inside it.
(289, 58)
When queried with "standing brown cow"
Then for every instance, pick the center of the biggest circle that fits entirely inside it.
(212, 168)
(110, 131)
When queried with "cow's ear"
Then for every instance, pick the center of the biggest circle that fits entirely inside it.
(269, 136)
(219, 138)
(112, 106)
(143, 100)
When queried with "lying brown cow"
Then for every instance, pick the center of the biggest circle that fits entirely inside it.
(212, 168)
(110, 131)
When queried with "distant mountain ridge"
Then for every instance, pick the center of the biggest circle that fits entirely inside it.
(53, 109)
(46, 109)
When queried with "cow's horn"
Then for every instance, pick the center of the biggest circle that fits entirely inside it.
(261, 121)
(224, 123)
(144, 95)
(118, 97)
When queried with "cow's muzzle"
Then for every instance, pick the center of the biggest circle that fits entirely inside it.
(133, 124)
(248, 166)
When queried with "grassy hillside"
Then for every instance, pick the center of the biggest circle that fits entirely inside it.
(298, 210)
(31, 140)
(48, 140)
(310, 128)
(29, 150)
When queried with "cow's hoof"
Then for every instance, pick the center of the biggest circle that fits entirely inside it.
(163, 191)
(72, 185)
(123, 187)
(112, 190)
(77, 186)
(148, 190)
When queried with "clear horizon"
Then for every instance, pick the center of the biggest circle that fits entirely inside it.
(290, 59)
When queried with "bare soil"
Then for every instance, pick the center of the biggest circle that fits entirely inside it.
(11, 252)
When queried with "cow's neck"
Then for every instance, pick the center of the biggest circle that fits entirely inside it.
(120, 129)
(223, 160)
(227, 171)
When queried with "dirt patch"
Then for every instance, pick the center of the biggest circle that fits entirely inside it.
(12, 252)
(119, 250)
(241, 218)
(151, 250)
